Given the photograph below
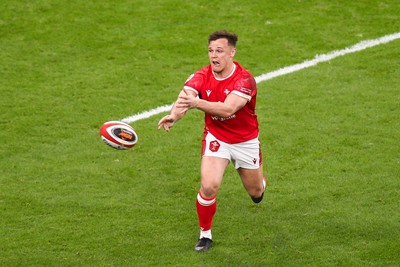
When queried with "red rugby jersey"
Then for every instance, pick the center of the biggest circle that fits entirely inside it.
(241, 126)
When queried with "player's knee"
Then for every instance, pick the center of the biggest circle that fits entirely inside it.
(209, 190)
(256, 192)
(257, 189)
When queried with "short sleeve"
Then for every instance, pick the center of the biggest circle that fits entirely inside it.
(245, 87)
(194, 82)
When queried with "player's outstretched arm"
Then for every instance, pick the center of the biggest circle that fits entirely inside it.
(176, 114)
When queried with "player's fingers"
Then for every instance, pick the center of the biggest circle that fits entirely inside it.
(182, 98)
(181, 104)
(166, 127)
(161, 125)
(163, 120)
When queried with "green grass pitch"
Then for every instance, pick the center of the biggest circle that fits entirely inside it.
(330, 134)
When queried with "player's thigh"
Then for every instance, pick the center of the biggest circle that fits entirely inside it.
(212, 172)
(252, 180)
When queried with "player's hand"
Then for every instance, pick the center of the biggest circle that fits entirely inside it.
(166, 122)
(187, 100)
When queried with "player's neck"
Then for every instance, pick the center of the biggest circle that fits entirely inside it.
(227, 72)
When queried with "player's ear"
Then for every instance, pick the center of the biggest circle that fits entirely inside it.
(233, 51)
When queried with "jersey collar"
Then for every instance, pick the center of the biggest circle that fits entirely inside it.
(230, 74)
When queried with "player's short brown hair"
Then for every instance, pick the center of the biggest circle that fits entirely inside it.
(230, 36)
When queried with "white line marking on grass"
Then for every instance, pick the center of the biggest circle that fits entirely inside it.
(329, 56)
(286, 70)
(147, 114)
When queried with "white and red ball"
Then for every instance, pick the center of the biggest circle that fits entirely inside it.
(118, 135)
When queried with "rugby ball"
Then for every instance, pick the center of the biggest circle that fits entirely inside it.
(118, 135)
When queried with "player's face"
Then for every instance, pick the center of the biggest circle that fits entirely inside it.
(221, 57)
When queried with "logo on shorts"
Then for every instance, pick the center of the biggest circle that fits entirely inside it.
(254, 161)
(214, 146)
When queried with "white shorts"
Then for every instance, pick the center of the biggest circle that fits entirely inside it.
(245, 155)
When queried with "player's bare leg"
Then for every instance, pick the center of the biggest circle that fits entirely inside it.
(254, 182)
(212, 172)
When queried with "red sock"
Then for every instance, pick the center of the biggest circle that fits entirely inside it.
(206, 208)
